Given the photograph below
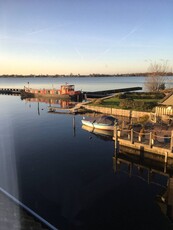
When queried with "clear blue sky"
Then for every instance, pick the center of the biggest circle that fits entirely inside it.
(84, 36)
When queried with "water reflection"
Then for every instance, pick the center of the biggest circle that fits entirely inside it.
(102, 134)
(59, 102)
(152, 170)
(55, 106)
(69, 181)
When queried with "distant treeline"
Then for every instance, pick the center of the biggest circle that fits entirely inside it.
(80, 75)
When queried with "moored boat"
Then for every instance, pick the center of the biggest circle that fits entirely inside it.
(98, 131)
(103, 122)
(65, 92)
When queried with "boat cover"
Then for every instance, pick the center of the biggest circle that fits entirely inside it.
(105, 119)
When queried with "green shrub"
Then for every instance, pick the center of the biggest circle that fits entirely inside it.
(137, 105)
(144, 95)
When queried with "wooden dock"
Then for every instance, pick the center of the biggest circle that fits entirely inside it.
(148, 142)
(103, 93)
(95, 94)
(10, 91)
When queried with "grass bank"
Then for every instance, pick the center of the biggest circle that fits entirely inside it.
(133, 101)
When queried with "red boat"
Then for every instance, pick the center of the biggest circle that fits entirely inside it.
(65, 92)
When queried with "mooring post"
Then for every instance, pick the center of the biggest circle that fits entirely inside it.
(150, 140)
(74, 126)
(131, 136)
(171, 144)
(38, 107)
(73, 122)
(166, 160)
(116, 138)
(166, 157)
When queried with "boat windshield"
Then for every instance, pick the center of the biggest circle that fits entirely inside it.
(106, 120)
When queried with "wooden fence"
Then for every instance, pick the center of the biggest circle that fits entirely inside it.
(152, 141)
(117, 112)
(160, 110)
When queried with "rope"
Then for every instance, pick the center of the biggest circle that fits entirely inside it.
(144, 134)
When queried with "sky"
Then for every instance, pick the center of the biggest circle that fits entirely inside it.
(84, 36)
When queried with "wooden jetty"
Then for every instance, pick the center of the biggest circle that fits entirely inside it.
(103, 93)
(76, 109)
(59, 110)
(149, 142)
(89, 94)
(10, 91)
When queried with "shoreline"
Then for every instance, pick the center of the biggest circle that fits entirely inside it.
(79, 76)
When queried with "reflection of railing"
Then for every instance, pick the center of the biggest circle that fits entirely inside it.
(151, 171)
(144, 171)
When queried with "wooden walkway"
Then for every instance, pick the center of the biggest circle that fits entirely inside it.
(10, 91)
(103, 93)
(132, 140)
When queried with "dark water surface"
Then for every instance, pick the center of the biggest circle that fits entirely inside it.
(67, 176)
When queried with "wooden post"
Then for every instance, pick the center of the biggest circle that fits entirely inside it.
(116, 139)
(171, 145)
(150, 140)
(38, 109)
(132, 141)
(166, 160)
(74, 126)
(165, 167)
(123, 124)
(141, 135)
(166, 157)
(129, 136)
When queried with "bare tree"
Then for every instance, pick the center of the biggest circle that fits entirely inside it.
(156, 80)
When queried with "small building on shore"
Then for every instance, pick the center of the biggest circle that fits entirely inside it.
(165, 108)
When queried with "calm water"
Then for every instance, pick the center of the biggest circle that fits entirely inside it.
(67, 176)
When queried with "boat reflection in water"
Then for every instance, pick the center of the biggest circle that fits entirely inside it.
(58, 106)
(103, 134)
(60, 102)
(151, 169)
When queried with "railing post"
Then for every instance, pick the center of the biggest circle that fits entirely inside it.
(116, 138)
(166, 157)
(171, 144)
(166, 161)
(150, 140)
(132, 141)
(129, 135)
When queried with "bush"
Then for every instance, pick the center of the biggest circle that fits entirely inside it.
(137, 105)
(143, 119)
(127, 103)
(144, 95)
